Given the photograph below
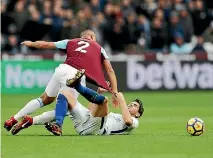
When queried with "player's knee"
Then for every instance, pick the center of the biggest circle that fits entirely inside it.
(46, 99)
(105, 113)
(67, 94)
(105, 100)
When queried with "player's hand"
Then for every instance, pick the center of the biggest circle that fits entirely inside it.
(120, 95)
(27, 43)
(101, 90)
(115, 101)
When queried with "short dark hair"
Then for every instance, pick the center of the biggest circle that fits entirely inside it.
(141, 108)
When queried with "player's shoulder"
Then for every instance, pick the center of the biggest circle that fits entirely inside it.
(95, 43)
(75, 40)
(135, 122)
(135, 119)
(114, 114)
(86, 40)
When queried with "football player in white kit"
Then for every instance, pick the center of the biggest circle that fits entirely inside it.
(94, 120)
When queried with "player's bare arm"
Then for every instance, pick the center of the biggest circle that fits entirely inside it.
(111, 75)
(124, 110)
(112, 79)
(39, 44)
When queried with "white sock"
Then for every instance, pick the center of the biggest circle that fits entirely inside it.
(30, 107)
(43, 118)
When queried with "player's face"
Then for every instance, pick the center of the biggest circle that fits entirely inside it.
(133, 108)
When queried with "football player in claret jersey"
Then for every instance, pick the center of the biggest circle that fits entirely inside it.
(94, 120)
(82, 53)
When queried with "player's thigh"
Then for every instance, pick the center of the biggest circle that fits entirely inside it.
(69, 72)
(53, 86)
(78, 114)
(70, 98)
(93, 125)
(100, 110)
(59, 78)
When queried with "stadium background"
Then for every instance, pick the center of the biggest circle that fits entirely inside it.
(161, 50)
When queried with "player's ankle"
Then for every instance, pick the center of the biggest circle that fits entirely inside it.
(59, 125)
(59, 122)
(15, 118)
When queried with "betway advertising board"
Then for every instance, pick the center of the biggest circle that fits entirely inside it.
(133, 75)
(169, 75)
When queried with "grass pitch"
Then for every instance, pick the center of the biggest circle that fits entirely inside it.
(161, 134)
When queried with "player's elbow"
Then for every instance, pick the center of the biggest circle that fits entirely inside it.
(128, 122)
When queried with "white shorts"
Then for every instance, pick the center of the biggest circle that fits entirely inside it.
(58, 80)
(85, 123)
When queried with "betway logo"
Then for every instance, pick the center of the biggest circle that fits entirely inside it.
(17, 77)
(170, 75)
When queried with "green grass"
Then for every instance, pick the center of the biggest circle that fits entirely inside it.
(161, 133)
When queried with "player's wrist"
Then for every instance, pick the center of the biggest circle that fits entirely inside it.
(115, 92)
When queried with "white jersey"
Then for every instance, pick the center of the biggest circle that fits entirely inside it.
(116, 125)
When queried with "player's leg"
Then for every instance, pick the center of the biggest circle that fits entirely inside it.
(89, 94)
(85, 122)
(60, 113)
(27, 121)
(57, 82)
(46, 98)
(64, 99)
(45, 117)
(101, 107)
(96, 120)
(34, 104)
(62, 72)
(100, 110)
(30, 107)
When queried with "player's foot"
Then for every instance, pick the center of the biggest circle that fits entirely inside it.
(53, 128)
(25, 123)
(73, 81)
(8, 124)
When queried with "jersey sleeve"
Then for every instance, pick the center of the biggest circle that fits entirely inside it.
(135, 123)
(61, 44)
(104, 54)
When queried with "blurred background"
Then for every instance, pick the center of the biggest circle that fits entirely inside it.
(153, 44)
(123, 26)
